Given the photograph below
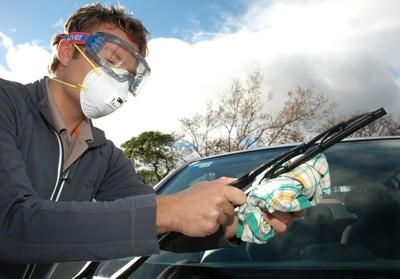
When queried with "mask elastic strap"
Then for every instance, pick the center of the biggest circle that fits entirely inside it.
(77, 86)
(95, 69)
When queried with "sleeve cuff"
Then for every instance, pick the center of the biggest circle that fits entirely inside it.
(144, 232)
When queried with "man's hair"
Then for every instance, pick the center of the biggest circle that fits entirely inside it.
(87, 18)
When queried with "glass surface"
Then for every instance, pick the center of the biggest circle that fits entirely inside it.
(354, 229)
(232, 165)
(114, 55)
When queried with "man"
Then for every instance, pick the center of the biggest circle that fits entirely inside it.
(66, 192)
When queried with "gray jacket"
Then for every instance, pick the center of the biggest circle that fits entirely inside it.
(48, 216)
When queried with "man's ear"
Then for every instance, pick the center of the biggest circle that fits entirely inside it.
(65, 53)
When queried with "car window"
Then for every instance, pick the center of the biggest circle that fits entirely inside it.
(356, 227)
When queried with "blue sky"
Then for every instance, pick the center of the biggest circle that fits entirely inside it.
(345, 49)
(29, 20)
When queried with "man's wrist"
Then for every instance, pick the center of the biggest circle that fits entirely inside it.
(165, 220)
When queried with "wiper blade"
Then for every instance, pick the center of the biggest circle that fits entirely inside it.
(306, 151)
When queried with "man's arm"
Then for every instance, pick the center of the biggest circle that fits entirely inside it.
(43, 231)
(198, 212)
(203, 214)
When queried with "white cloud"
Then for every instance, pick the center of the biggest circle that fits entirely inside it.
(25, 62)
(5, 41)
(59, 25)
(346, 49)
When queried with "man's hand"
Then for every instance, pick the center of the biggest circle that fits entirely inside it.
(201, 209)
(278, 220)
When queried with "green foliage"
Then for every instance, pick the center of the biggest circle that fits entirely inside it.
(152, 154)
(148, 177)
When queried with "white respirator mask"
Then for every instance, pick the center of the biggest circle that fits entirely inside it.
(101, 94)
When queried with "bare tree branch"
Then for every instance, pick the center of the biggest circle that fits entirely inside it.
(239, 120)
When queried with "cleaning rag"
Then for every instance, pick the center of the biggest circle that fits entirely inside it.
(298, 189)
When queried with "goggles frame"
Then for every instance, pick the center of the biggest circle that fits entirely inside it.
(93, 43)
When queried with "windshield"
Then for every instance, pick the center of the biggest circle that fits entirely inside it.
(233, 165)
(356, 227)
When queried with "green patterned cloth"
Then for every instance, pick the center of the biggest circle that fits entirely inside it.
(300, 188)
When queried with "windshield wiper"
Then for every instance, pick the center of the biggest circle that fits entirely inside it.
(308, 150)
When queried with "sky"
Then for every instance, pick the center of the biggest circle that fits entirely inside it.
(345, 49)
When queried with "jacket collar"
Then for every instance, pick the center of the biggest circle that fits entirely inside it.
(99, 137)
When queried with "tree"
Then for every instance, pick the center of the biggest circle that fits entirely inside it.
(153, 154)
(301, 113)
(239, 119)
(388, 125)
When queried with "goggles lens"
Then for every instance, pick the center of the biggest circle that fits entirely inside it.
(110, 52)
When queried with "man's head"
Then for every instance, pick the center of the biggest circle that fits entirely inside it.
(89, 18)
(101, 56)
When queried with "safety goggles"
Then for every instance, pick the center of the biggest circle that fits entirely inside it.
(110, 52)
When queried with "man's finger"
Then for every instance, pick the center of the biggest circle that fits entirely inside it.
(299, 213)
(226, 180)
(235, 195)
(228, 209)
(276, 223)
(284, 217)
(229, 212)
(223, 219)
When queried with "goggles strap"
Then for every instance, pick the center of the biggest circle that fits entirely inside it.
(95, 69)
(77, 86)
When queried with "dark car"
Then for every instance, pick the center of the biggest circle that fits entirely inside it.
(353, 233)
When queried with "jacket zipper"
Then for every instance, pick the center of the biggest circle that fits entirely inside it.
(61, 178)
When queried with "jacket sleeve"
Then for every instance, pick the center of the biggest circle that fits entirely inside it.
(34, 230)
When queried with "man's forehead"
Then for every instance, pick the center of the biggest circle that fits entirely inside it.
(111, 48)
(116, 31)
